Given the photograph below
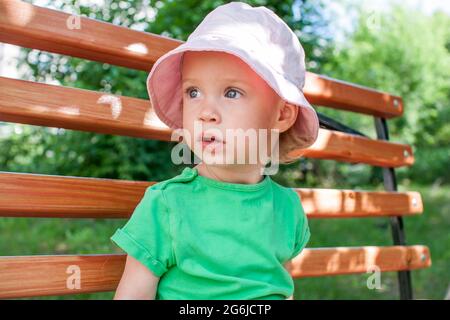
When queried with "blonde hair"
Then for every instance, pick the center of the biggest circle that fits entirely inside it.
(289, 141)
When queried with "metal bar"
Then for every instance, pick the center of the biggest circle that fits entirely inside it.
(398, 232)
(329, 123)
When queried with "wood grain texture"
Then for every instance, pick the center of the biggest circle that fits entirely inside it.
(29, 276)
(351, 260)
(45, 29)
(31, 26)
(40, 104)
(325, 91)
(37, 195)
(55, 106)
(339, 146)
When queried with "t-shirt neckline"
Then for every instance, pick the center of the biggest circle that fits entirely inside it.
(228, 185)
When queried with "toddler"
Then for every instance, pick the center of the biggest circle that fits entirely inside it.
(224, 229)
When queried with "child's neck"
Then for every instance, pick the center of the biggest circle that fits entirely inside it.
(245, 174)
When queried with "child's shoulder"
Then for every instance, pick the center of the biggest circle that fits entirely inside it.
(187, 175)
(288, 193)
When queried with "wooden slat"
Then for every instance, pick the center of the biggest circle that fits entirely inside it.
(350, 260)
(338, 94)
(27, 276)
(332, 203)
(339, 146)
(34, 27)
(37, 195)
(55, 106)
(40, 28)
(61, 107)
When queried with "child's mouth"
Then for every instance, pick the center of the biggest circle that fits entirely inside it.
(211, 142)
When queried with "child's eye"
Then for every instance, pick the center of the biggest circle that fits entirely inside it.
(233, 96)
(188, 92)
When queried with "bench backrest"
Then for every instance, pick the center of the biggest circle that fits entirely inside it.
(35, 195)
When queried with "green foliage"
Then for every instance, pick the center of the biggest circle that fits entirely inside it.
(407, 54)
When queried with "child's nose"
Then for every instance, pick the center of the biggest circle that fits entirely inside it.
(209, 115)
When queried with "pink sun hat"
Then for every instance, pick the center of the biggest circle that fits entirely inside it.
(258, 37)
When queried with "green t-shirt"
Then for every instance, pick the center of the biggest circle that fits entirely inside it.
(208, 239)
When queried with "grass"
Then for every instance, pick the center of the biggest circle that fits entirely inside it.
(39, 236)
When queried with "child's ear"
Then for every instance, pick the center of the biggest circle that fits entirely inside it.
(287, 116)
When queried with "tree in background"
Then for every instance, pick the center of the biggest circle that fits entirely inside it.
(404, 52)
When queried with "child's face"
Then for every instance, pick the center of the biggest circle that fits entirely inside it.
(222, 92)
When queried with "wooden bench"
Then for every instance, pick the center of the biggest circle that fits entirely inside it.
(35, 195)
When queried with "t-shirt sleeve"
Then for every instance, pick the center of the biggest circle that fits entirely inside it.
(302, 233)
(147, 235)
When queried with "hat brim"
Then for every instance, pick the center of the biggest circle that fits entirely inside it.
(165, 92)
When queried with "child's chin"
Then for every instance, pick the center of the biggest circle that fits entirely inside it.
(220, 158)
(214, 157)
